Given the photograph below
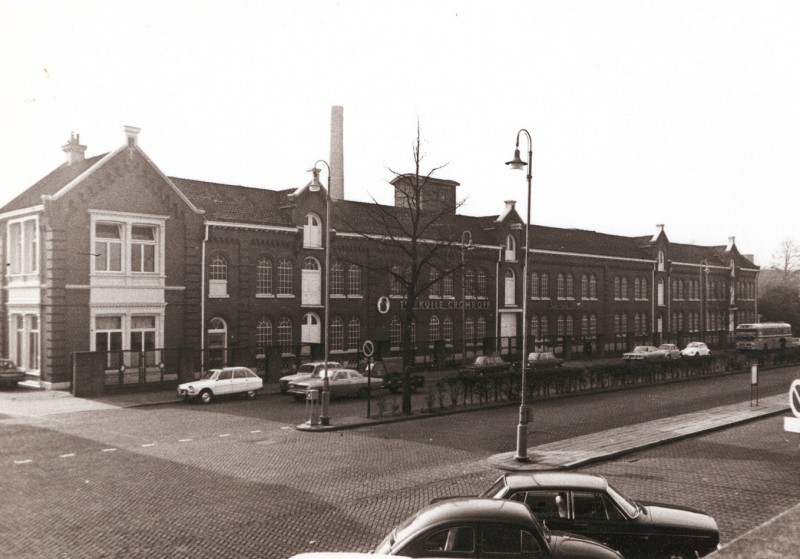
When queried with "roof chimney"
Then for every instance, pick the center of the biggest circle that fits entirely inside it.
(510, 205)
(132, 133)
(74, 149)
(337, 153)
(731, 242)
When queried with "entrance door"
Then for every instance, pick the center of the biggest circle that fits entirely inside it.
(508, 332)
(310, 329)
(217, 343)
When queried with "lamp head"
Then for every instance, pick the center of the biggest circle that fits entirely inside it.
(517, 162)
(315, 185)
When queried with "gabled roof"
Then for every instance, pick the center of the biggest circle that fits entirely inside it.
(237, 204)
(52, 183)
(585, 242)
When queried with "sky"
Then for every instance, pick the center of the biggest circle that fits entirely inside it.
(682, 113)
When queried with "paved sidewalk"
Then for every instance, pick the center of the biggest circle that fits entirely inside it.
(577, 451)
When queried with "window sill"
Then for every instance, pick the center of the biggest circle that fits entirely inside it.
(265, 296)
(226, 296)
(355, 296)
(337, 296)
(313, 247)
(437, 297)
(284, 296)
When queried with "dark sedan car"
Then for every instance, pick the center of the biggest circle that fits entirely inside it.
(10, 374)
(473, 528)
(588, 505)
(484, 364)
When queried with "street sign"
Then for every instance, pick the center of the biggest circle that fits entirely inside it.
(383, 304)
(368, 348)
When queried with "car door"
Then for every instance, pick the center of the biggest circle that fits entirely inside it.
(507, 541)
(550, 505)
(224, 383)
(596, 516)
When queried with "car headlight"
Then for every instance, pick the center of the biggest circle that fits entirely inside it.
(190, 389)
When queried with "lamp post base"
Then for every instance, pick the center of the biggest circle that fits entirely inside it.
(522, 435)
(324, 418)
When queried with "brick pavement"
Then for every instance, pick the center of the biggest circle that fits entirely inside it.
(387, 490)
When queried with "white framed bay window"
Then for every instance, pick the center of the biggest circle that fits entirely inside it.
(127, 244)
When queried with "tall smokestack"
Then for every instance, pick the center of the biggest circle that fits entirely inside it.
(337, 152)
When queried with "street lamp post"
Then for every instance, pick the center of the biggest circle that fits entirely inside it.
(465, 245)
(522, 427)
(324, 417)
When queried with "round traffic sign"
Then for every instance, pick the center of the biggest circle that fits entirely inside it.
(794, 397)
(368, 348)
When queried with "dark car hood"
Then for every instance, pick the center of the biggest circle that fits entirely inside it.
(564, 544)
(679, 517)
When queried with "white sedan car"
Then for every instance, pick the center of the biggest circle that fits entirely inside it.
(695, 349)
(221, 382)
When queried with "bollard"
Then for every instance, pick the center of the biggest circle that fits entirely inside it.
(312, 407)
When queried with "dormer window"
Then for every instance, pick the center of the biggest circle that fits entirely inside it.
(312, 232)
(511, 249)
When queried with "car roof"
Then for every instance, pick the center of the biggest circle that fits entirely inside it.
(471, 509)
(567, 480)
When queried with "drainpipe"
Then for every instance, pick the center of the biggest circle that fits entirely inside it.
(203, 302)
(497, 296)
(654, 298)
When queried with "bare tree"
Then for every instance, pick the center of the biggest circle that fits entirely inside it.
(419, 242)
(786, 258)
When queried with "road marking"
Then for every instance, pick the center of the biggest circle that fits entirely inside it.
(108, 450)
(225, 435)
(148, 444)
(256, 431)
(28, 461)
(67, 455)
(184, 440)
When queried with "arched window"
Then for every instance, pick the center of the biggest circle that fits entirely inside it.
(353, 334)
(624, 288)
(285, 284)
(660, 294)
(545, 325)
(674, 322)
(264, 277)
(584, 286)
(510, 288)
(336, 335)
(312, 232)
(435, 289)
(617, 324)
(285, 334)
(636, 324)
(645, 296)
(534, 285)
(535, 333)
(312, 282)
(264, 332)
(680, 322)
(570, 287)
(593, 325)
(660, 261)
(570, 325)
(560, 326)
(584, 325)
(395, 286)
(433, 328)
(560, 286)
(469, 330)
(395, 333)
(447, 287)
(680, 290)
(481, 281)
(354, 280)
(337, 279)
(593, 286)
(637, 291)
(617, 288)
(624, 320)
(469, 283)
(480, 329)
(545, 285)
(218, 276)
(217, 342)
(511, 249)
(447, 329)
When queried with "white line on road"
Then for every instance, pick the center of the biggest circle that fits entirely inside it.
(108, 450)
(67, 455)
(149, 444)
(256, 431)
(225, 435)
(28, 461)
(184, 440)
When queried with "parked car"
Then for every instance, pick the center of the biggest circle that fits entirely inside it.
(390, 370)
(671, 351)
(341, 384)
(221, 382)
(695, 349)
(586, 504)
(484, 364)
(641, 352)
(305, 371)
(343, 555)
(543, 360)
(470, 527)
(10, 374)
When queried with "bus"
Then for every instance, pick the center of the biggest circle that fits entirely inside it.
(763, 336)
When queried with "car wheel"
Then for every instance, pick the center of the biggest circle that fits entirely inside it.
(678, 555)
(362, 392)
(251, 394)
(206, 396)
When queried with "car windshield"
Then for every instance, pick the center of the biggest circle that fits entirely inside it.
(479, 360)
(306, 369)
(321, 372)
(641, 349)
(496, 488)
(693, 344)
(211, 373)
(628, 505)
